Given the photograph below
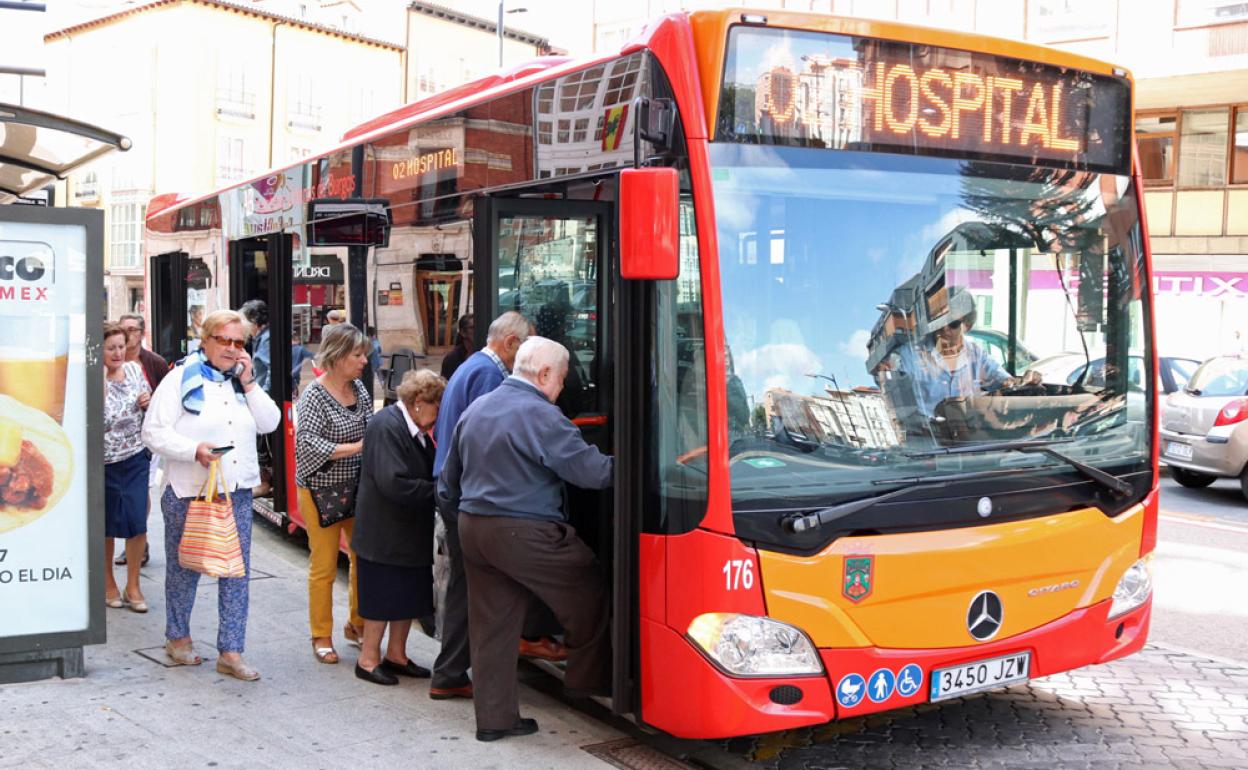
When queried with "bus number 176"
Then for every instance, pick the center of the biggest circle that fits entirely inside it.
(738, 574)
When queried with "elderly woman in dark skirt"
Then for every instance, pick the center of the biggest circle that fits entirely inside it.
(393, 538)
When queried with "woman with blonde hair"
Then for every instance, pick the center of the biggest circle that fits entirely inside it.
(209, 407)
(393, 539)
(329, 440)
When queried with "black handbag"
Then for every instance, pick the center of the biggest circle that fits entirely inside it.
(334, 503)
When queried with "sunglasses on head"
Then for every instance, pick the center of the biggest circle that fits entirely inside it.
(228, 341)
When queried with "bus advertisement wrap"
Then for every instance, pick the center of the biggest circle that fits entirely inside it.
(43, 433)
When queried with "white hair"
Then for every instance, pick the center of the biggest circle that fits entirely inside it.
(507, 324)
(537, 353)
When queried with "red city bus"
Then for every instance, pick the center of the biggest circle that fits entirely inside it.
(803, 265)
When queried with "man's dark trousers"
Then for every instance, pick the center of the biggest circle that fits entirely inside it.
(508, 560)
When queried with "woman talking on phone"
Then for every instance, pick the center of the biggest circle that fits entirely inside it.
(209, 407)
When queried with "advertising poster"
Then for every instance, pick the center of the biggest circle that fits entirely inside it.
(44, 445)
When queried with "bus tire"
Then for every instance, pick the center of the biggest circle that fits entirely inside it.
(1194, 480)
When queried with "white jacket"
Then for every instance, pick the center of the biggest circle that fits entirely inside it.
(174, 433)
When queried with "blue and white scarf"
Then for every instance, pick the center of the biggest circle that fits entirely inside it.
(196, 369)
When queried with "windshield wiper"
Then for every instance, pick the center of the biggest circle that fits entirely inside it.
(804, 522)
(1036, 446)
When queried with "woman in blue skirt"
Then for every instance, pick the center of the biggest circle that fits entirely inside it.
(126, 395)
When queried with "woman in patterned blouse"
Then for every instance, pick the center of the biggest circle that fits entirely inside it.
(329, 440)
(126, 396)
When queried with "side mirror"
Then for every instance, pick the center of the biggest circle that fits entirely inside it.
(649, 224)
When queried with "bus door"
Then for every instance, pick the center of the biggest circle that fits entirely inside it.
(550, 260)
(260, 268)
(167, 305)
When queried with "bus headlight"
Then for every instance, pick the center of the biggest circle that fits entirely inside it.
(1133, 588)
(746, 645)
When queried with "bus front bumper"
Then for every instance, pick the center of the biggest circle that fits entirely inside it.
(684, 694)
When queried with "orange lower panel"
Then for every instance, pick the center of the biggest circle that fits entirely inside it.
(683, 694)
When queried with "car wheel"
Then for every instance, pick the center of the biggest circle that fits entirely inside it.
(1243, 482)
(1194, 480)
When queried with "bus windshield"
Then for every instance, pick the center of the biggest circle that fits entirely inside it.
(878, 307)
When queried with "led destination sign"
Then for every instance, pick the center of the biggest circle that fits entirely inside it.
(815, 89)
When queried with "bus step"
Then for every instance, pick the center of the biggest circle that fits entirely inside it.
(263, 506)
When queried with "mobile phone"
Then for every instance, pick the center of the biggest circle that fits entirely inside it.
(220, 450)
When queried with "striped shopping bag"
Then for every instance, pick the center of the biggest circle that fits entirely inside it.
(210, 539)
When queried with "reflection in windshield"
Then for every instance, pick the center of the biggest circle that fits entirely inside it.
(878, 306)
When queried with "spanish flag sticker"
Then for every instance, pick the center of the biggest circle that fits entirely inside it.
(613, 127)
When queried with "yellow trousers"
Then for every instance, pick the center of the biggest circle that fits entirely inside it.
(323, 568)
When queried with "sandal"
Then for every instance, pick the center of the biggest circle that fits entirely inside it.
(325, 654)
(238, 669)
(182, 654)
(353, 634)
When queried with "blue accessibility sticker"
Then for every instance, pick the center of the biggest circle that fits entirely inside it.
(851, 690)
(881, 684)
(909, 679)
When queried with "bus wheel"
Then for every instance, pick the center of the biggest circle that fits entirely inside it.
(1192, 479)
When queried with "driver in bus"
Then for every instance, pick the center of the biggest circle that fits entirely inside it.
(947, 365)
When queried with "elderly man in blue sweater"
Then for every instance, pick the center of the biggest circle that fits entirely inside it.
(506, 464)
(479, 374)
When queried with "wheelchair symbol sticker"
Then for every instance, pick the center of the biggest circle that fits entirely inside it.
(909, 679)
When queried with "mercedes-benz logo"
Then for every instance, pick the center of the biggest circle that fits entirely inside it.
(984, 616)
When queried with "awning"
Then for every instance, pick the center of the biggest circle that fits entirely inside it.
(39, 147)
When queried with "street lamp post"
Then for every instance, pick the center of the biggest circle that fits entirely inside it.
(501, 11)
(853, 426)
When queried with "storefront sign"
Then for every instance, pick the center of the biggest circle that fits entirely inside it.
(50, 464)
(323, 268)
(1200, 284)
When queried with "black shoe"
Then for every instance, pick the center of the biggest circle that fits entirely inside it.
(523, 727)
(407, 669)
(429, 624)
(377, 676)
(147, 555)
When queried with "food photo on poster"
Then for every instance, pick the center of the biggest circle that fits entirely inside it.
(44, 578)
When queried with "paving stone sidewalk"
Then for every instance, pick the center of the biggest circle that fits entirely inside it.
(133, 711)
(1157, 709)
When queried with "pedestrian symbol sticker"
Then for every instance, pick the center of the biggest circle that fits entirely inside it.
(765, 462)
(880, 686)
(909, 679)
(851, 690)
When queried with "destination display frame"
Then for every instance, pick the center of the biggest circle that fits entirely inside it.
(798, 88)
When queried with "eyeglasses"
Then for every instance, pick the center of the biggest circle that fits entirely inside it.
(132, 331)
(227, 341)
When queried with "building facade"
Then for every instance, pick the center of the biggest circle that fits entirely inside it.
(202, 113)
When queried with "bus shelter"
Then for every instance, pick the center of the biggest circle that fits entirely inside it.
(51, 402)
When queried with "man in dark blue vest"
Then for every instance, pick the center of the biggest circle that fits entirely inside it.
(506, 464)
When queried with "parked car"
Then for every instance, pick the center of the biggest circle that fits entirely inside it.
(1056, 369)
(997, 345)
(1172, 373)
(1204, 426)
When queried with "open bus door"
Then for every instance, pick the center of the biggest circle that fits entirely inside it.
(167, 304)
(553, 261)
(260, 268)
